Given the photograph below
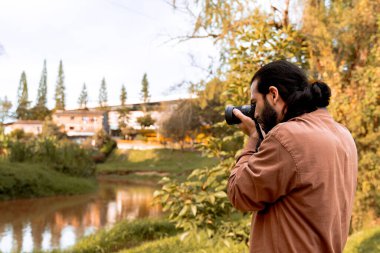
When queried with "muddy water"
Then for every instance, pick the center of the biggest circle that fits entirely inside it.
(58, 222)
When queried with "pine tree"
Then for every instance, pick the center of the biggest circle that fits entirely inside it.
(23, 103)
(60, 89)
(40, 111)
(83, 97)
(42, 89)
(123, 110)
(145, 96)
(103, 94)
(123, 96)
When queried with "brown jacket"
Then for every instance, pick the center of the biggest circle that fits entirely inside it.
(301, 182)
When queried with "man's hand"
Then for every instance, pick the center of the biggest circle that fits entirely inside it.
(247, 125)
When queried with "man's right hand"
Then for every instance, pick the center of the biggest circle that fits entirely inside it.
(247, 125)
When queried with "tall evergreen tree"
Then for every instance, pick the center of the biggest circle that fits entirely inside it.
(145, 96)
(123, 96)
(22, 98)
(40, 110)
(59, 95)
(83, 97)
(42, 89)
(103, 94)
(123, 110)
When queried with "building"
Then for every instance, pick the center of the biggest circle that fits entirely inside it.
(81, 123)
(28, 126)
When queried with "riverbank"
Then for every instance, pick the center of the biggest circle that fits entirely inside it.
(27, 180)
(149, 166)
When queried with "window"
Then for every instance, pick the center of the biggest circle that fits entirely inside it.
(72, 117)
(71, 128)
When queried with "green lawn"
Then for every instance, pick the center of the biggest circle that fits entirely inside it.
(156, 160)
(26, 180)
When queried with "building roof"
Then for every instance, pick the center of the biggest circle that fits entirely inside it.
(82, 112)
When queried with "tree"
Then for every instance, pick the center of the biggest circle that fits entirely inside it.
(103, 94)
(145, 96)
(83, 97)
(40, 110)
(5, 106)
(23, 102)
(146, 121)
(123, 111)
(59, 95)
(123, 96)
(42, 89)
(177, 123)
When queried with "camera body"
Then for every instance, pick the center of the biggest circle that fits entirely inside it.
(247, 110)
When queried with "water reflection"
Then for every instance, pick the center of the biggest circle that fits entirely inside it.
(58, 222)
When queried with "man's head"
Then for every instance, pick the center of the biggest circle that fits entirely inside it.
(281, 91)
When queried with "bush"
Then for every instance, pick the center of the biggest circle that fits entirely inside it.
(201, 203)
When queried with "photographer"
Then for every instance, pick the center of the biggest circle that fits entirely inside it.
(302, 178)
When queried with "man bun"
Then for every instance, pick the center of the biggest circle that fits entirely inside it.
(321, 94)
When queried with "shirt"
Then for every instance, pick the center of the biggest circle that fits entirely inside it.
(301, 182)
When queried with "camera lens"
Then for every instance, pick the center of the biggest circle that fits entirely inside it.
(230, 117)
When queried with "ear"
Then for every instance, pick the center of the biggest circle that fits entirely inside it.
(274, 95)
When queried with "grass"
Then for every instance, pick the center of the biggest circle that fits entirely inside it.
(364, 241)
(174, 244)
(125, 234)
(26, 180)
(160, 161)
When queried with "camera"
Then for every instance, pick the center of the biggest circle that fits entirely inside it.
(247, 110)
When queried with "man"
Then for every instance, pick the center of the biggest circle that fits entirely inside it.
(302, 179)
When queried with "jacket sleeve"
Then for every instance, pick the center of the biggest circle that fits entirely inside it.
(259, 179)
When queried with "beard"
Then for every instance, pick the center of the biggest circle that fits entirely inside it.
(268, 118)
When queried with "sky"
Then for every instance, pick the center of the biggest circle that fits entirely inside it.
(118, 40)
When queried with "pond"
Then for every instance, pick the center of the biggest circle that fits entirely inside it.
(58, 222)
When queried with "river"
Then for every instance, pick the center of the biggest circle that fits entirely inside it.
(58, 222)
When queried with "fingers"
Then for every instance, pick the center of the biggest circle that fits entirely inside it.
(247, 125)
(240, 115)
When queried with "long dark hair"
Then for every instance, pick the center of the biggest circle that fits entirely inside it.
(299, 95)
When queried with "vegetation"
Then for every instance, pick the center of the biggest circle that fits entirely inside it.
(145, 96)
(145, 121)
(40, 110)
(175, 244)
(83, 98)
(364, 241)
(26, 180)
(103, 97)
(174, 162)
(22, 98)
(249, 38)
(125, 234)
(59, 95)
(5, 107)
(63, 156)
